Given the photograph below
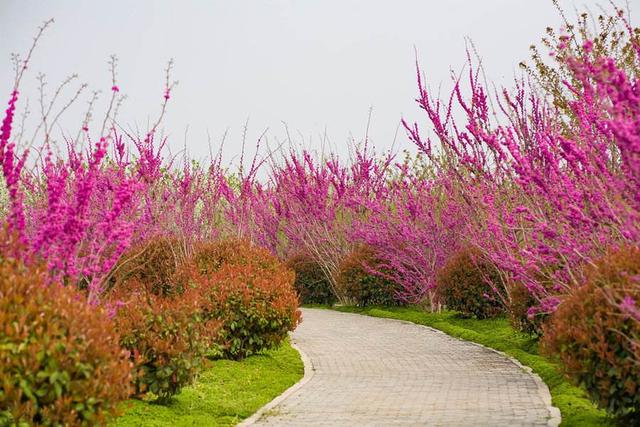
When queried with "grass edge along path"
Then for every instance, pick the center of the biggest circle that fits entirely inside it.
(224, 394)
(574, 405)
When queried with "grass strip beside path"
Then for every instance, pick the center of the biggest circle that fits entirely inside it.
(575, 407)
(225, 393)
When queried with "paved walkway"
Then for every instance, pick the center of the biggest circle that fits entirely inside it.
(366, 371)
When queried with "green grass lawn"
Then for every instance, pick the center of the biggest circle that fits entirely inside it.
(575, 407)
(226, 392)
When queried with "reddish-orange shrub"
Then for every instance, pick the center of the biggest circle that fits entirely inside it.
(596, 340)
(358, 284)
(256, 307)
(248, 290)
(60, 362)
(463, 284)
(153, 264)
(167, 337)
(311, 282)
(208, 257)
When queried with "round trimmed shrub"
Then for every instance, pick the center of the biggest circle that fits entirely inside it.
(463, 285)
(249, 291)
(520, 300)
(60, 362)
(596, 335)
(167, 338)
(209, 257)
(257, 308)
(359, 285)
(311, 282)
(153, 264)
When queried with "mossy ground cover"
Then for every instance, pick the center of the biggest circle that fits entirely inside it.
(497, 333)
(225, 393)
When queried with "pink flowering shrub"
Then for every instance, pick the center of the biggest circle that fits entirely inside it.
(413, 227)
(540, 204)
(315, 204)
(79, 213)
(84, 217)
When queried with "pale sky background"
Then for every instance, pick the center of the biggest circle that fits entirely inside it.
(315, 64)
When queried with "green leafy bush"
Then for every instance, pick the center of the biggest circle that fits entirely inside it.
(167, 338)
(60, 362)
(359, 285)
(463, 285)
(311, 282)
(595, 333)
(249, 291)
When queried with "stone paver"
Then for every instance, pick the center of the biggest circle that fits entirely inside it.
(378, 372)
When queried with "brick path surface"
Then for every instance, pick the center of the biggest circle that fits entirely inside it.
(366, 371)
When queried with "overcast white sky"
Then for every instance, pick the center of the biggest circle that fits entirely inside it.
(314, 64)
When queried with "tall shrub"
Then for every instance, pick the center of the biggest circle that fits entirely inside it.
(539, 201)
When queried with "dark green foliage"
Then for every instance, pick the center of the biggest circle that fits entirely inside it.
(359, 284)
(518, 311)
(311, 283)
(463, 285)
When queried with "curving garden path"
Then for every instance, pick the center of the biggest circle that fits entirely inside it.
(366, 371)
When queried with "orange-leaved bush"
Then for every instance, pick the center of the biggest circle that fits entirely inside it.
(153, 263)
(210, 256)
(249, 291)
(256, 307)
(595, 333)
(311, 282)
(60, 362)
(465, 284)
(359, 284)
(167, 337)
